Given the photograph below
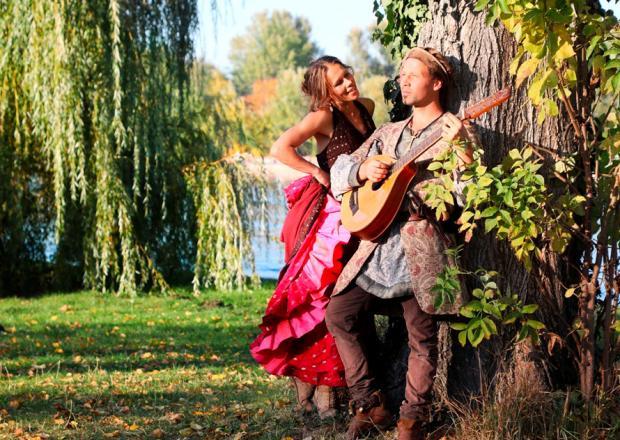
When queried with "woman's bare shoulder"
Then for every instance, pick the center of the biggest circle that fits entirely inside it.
(368, 103)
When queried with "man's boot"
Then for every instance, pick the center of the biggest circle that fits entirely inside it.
(372, 415)
(409, 429)
(325, 400)
(304, 392)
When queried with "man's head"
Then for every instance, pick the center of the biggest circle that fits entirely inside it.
(424, 77)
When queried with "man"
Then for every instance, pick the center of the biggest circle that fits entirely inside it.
(399, 269)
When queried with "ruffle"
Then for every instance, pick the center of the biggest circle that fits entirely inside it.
(298, 304)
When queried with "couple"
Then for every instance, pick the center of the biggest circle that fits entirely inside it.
(318, 323)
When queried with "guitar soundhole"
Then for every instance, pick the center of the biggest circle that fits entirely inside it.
(377, 185)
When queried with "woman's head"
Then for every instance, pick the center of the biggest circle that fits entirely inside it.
(328, 81)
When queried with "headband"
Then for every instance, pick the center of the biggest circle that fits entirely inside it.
(426, 56)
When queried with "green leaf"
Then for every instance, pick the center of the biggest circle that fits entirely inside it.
(535, 92)
(463, 338)
(593, 45)
(434, 166)
(480, 5)
(489, 212)
(485, 181)
(614, 64)
(526, 70)
(467, 313)
(489, 224)
(458, 325)
(530, 308)
(535, 324)
(466, 216)
(564, 52)
(514, 154)
(503, 5)
(491, 325)
(514, 64)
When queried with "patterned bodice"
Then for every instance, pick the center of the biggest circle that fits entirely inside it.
(345, 137)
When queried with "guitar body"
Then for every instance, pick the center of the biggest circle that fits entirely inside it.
(369, 210)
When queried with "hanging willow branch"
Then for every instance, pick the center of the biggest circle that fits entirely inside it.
(97, 87)
(98, 120)
(230, 204)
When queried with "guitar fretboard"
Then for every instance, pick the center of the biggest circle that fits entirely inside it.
(414, 153)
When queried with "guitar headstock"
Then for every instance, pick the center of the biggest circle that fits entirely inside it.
(487, 104)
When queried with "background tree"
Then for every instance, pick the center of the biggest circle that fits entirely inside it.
(272, 43)
(97, 124)
(373, 66)
(361, 55)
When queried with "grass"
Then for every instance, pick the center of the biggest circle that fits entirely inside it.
(88, 366)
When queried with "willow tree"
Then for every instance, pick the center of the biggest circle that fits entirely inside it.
(545, 218)
(96, 128)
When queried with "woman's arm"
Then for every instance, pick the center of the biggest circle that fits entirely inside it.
(285, 148)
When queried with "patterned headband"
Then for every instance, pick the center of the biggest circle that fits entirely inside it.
(427, 56)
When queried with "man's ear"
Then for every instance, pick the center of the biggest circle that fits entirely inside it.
(437, 85)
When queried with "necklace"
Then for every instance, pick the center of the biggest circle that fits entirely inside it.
(416, 134)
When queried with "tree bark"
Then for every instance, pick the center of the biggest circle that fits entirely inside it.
(481, 56)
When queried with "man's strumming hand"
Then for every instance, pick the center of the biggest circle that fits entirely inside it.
(373, 170)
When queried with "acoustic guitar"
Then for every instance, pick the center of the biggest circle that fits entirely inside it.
(367, 211)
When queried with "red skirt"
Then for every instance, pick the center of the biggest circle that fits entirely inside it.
(294, 340)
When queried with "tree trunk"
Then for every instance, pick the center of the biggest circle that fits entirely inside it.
(481, 56)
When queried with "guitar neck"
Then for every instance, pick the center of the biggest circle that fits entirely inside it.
(413, 154)
(470, 113)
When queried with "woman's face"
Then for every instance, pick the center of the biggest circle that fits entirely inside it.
(342, 83)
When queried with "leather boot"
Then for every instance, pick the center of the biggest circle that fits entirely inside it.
(365, 419)
(325, 401)
(303, 392)
(409, 429)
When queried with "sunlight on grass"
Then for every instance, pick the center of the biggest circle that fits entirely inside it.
(87, 365)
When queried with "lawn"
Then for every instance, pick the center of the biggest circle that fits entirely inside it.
(90, 365)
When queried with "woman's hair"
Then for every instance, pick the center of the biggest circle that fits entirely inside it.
(315, 84)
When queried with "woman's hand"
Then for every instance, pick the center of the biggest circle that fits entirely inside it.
(373, 170)
(321, 176)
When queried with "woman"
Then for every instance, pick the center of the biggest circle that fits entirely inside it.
(294, 340)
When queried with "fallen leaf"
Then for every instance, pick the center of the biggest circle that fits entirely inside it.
(187, 432)
(14, 404)
(196, 426)
(174, 417)
(158, 433)
(113, 434)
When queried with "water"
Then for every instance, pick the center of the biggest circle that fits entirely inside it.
(267, 247)
(268, 257)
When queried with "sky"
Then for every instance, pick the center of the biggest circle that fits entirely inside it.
(331, 22)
